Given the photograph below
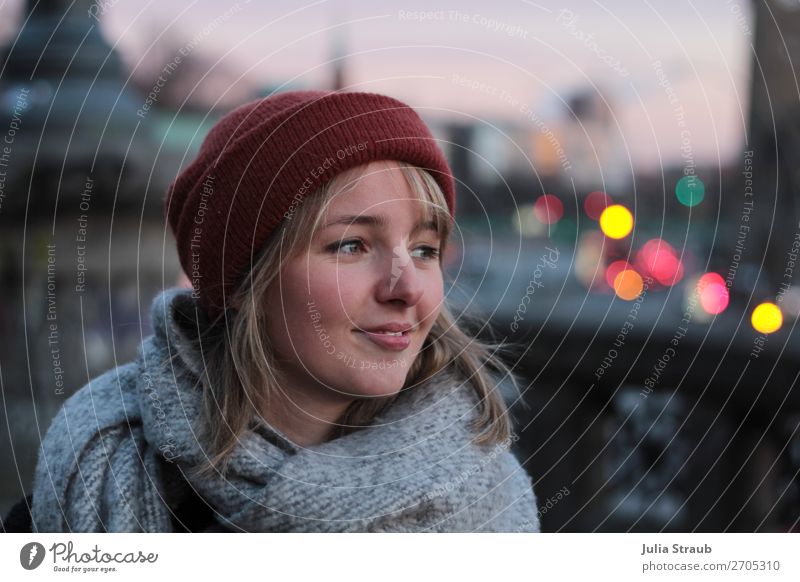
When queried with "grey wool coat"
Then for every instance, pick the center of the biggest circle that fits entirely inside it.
(117, 454)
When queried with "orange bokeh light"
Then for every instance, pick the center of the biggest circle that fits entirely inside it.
(628, 284)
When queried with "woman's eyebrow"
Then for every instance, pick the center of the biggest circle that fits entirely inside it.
(377, 221)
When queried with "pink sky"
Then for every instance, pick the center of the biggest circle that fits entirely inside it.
(531, 52)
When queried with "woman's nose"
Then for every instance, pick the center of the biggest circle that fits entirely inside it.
(400, 280)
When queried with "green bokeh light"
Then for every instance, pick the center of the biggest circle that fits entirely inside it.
(690, 190)
(565, 230)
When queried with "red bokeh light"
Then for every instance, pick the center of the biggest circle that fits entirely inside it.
(659, 260)
(615, 269)
(708, 279)
(713, 292)
(548, 209)
(595, 203)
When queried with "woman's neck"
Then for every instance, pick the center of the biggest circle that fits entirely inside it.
(304, 419)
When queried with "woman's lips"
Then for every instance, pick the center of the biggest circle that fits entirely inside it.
(394, 343)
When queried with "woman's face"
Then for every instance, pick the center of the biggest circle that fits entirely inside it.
(372, 267)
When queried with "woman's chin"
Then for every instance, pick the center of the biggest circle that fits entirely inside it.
(374, 383)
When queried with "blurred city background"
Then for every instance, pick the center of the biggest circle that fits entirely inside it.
(628, 217)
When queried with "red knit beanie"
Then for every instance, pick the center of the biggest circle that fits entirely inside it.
(260, 160)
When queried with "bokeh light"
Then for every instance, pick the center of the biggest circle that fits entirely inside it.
(595, 203)
(525, 223)
(589, 259)
(767, 318)
(628, 285)
(791, 301)
(658, 259)
(548, 209)
(690, 190)
(566, 230)
(615, 269)
(714, 295)
(708, 279)
(616, 221)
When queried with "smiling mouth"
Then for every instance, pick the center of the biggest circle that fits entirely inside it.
(392, 341)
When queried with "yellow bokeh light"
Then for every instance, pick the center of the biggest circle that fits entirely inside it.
(767, 318)
(616, 221)
(628, 284)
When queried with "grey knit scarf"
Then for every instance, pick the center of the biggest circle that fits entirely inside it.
(110, 457)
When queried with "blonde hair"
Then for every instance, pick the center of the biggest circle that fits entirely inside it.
(241, 373)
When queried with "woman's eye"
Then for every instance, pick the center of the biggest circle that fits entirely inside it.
(346, 246)
(429, 253)
(354, 246)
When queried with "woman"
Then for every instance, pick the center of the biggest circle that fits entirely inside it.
(313, 378)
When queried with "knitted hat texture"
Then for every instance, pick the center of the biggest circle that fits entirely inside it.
(261, 160)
